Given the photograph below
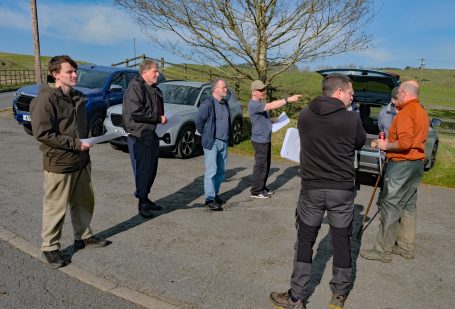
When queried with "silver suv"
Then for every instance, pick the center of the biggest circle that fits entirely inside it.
(182, 98)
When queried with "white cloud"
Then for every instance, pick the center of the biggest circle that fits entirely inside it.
(85, 23)
(18, 19)
(95, 24)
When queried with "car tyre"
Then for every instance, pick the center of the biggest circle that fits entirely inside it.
(432, 158)
(237, 131)
(97, 126)
(123, 148)
(186, 143)
(28, 129)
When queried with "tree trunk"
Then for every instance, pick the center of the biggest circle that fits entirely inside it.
(261, 43)
(36, 44)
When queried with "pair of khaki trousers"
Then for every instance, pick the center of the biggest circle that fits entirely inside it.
(73, 190)
(398, 206)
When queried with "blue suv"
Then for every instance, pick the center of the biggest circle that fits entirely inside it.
(103, 86)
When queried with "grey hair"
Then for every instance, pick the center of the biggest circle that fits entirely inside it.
(147, 64)
(214, 82)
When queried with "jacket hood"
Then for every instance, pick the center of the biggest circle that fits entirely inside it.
(325, 105)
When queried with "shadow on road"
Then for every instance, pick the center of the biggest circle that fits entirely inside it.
(181, 199)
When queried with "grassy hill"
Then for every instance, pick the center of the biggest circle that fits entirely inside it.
(10, 61)
(437, 87)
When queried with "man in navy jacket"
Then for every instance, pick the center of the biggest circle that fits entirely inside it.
(213, 123)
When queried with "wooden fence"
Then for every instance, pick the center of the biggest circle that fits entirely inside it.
(19, 77)
(184, 71)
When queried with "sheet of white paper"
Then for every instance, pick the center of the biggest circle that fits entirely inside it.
(291, 145)
(172, 120)
(103, 138)
(282, 121)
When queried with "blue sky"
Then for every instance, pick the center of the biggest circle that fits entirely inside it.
(97, 31)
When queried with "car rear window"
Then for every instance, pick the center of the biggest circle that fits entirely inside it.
(372, 84)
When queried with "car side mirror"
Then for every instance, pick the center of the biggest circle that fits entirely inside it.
(115, 88)
(436, 122)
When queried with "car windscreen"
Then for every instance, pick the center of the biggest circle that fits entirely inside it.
(178, 94)
(91, 79)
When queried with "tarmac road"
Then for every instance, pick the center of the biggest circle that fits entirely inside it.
(6, 99)
(188, 257)
(26, 282)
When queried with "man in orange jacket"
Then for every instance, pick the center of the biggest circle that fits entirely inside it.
(405, 149)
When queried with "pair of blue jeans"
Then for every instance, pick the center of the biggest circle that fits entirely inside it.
(215, 168)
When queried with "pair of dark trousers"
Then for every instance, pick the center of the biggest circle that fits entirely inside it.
(398, 206)
(311, 207)
(261, 169)
(144, 160)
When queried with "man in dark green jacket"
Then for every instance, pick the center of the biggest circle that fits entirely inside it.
(59, 123)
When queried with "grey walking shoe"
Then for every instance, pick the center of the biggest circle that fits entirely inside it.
(375, 256)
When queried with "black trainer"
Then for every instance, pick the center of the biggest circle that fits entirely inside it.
(269, 191)
(154, 206)
(219, 201)
(54, 258)
(145, 207)
(212, 205)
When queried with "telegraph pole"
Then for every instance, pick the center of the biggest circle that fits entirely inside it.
(422, 65)
(36, 42)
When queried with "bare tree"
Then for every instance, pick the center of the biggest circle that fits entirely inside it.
(269, 36)
(36, 44)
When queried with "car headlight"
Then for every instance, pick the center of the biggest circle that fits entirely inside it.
(17, 94)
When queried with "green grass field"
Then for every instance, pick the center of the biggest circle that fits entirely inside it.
(437, 95)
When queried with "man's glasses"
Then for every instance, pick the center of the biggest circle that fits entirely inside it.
(260, 90)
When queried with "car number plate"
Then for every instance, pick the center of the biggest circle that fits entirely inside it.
(26, 117)
(120, 130)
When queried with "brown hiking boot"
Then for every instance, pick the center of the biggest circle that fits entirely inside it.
(375, 256)
(91, 242)
(284, 301)
(404, 253)
(54, 258)
(337, 301)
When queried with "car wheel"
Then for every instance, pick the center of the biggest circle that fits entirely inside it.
(97, 127)
(186, 143)
(237, 131)
(121, 148)
(28, 129)
(432, 158)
